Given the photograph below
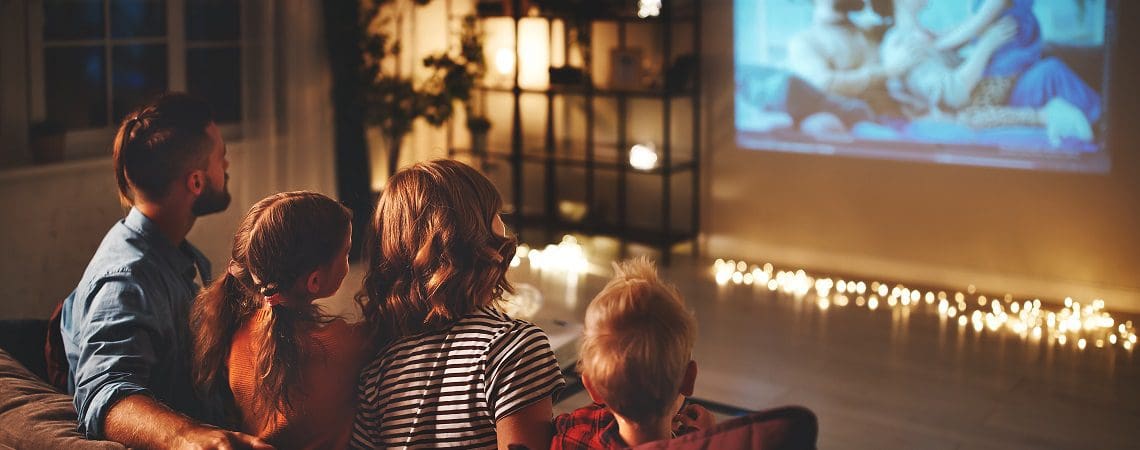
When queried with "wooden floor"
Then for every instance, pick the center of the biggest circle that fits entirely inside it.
(892, 378)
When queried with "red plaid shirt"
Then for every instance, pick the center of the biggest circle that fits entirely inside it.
(590, 427)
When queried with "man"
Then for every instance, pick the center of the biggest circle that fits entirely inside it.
(838, 57)
(125, 327)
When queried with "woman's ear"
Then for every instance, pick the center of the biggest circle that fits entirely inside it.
(313, 283)
(689, 380)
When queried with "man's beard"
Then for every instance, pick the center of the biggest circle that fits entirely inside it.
(212, 200)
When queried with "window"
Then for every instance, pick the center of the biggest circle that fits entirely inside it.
(91, 61)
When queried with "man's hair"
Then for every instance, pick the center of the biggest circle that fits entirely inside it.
(638, 342)
(158, 143)
(432, 256)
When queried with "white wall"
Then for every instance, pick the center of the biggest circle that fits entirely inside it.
(1026, 233)
(55, 216)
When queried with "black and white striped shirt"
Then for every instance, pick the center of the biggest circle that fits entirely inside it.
(448, 388)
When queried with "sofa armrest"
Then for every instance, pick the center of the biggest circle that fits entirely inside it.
(35, 415)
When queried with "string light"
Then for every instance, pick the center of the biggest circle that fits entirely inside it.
(1083, 323)
(567, 257)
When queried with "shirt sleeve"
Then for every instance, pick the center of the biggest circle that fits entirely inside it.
(521, 370)
(117, 335)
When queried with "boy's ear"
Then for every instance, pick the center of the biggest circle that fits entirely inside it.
(689, 380)
(590, 390)
(313, 283)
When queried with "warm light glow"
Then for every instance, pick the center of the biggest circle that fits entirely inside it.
(644, 157)
(1085, 324)
(568, 256)
(505, 62)
(648, 8)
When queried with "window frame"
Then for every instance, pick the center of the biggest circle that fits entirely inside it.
(88, 142)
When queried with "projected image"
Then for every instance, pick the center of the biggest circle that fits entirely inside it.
(1005, 83)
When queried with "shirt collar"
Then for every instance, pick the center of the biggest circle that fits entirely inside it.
(185, 259)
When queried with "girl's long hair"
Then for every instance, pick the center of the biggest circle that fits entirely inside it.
(432, 256)
(282, 238)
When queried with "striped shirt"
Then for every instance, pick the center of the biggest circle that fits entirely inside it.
(449, 388)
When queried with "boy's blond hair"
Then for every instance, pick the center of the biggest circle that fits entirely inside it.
(638, 342)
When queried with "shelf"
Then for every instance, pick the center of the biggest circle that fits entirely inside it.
(583, 152)
(623, 18)
(587, 90)
(678, 166)
(641, 235)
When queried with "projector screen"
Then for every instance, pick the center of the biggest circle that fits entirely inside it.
(999, 83)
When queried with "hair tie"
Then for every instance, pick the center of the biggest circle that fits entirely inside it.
(234, 269)
(274, 300)
(272, 296)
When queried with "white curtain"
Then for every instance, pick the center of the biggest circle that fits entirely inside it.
(287, 129)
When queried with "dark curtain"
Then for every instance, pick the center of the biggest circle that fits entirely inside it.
(343, 35)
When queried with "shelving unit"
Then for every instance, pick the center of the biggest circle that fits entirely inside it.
(554, 171)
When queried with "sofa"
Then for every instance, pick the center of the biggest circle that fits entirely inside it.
(33, 414)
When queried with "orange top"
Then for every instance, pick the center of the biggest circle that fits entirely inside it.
(326, 404)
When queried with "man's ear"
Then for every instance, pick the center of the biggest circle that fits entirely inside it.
(313, 283)
(590, 390)
(689, 380)
(196, 182)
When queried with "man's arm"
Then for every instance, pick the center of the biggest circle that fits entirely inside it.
(972, 27)
(961, 83)
(141, 422)
(118, 336)
(807, 62)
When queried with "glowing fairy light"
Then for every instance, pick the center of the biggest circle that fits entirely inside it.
(568, 256)
(1086, 324)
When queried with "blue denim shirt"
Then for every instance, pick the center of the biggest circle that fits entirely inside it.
(126, 326)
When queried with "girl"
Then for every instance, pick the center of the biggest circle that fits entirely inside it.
(452, 369)
(259, 339)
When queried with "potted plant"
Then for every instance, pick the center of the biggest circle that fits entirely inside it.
(478, 126)
(47, 140)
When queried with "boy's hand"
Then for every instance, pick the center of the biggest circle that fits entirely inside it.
(693, 417)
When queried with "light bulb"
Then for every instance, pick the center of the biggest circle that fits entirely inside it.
(643, 156)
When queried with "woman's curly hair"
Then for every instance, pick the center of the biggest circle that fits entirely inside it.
(432, 254)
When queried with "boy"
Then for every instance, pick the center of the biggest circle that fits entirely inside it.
(635, 362)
